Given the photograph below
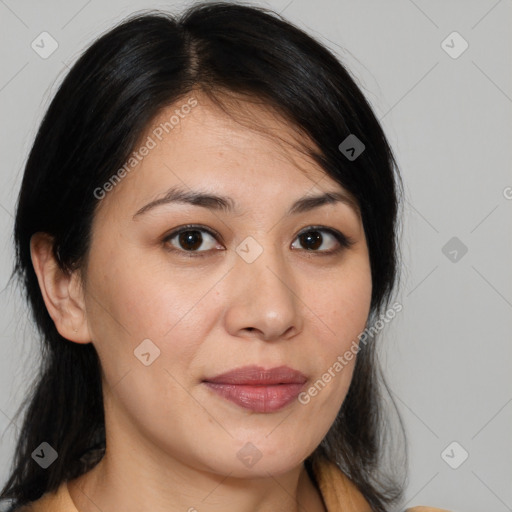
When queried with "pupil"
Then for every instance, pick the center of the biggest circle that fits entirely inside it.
(190, 239)
(312, 240)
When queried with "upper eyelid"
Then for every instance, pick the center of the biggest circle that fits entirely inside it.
(193, 227)
(210, 231)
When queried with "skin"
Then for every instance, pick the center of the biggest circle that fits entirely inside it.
(172, 443)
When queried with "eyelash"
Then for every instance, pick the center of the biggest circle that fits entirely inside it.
(344, 241)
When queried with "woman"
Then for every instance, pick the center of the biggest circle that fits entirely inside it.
(206, 231)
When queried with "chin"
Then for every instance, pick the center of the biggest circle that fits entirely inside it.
(253, 459)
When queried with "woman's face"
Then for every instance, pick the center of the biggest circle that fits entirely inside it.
(167, 313)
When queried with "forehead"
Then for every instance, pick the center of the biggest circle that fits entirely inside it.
(230, 127)
(250, 151)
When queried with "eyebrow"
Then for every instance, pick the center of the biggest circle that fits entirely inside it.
(227, 205)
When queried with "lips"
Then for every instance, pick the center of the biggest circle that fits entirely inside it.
(258, 389)
(258, 376)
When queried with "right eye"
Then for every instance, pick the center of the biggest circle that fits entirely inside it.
(191, 239)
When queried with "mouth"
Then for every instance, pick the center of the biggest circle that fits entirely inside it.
(257, 389)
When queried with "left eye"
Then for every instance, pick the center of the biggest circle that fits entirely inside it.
(321, 240)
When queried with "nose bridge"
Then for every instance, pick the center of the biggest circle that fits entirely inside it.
(268, 273)
(262, 291)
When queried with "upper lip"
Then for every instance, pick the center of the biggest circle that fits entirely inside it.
(257, 375)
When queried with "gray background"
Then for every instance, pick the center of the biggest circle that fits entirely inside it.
(447, 355)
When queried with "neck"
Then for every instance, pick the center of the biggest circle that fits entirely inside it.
(110, 485)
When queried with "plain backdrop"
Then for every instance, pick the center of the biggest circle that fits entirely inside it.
(447, 112)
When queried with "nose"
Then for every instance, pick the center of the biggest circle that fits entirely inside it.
(263, 299)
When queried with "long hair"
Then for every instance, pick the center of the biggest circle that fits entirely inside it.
(102, 108)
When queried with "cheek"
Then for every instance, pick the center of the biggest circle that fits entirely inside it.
(343, 311)
(345, 305)
(137, 302)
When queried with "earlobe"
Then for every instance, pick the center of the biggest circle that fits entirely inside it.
(61, 291)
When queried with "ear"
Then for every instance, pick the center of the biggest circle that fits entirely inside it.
(62, 291)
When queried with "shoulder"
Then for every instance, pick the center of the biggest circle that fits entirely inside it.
(9, 506)
(13, 508)
(58, 500)
(340, 493)
(337, 490)
(426, 509)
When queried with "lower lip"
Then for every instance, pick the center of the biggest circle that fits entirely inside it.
(258, 398)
